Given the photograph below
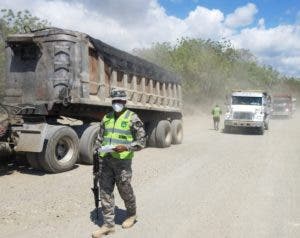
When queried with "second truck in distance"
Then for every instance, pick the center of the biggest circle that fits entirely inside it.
(283, 105)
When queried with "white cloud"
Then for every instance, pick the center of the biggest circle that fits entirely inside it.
(242, 16)
(128, 24)
(283, 38)
(206, 23)
(278, 46)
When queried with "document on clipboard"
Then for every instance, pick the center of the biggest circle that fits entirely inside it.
(107, 148)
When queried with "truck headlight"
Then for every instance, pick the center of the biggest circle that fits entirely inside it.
(227, 115)
(257, 111)
(258, 117)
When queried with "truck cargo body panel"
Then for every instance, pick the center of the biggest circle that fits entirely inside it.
(61, 67)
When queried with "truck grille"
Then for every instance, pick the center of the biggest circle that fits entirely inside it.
(243, 115)
(279, 109)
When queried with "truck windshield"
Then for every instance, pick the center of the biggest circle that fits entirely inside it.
(237, 100)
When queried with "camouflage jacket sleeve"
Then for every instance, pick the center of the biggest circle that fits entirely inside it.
(99, 139)
(139, 134)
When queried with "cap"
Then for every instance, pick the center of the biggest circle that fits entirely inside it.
(118, 94)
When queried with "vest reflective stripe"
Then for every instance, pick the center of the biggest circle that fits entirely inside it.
(110, 141)
(127, 114)
(118, 132)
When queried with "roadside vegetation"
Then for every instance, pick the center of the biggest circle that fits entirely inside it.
(210, 69)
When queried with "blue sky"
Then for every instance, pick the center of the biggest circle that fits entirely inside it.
(269, 29)
(274, 12)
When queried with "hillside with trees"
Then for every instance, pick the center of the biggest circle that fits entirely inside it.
(210, 69)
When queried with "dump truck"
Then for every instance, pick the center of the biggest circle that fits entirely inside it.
(53, 74)
(283, 105)
(248, 109)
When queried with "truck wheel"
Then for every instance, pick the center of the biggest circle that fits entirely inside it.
(33, 160)
(60, 151)
(152, 134)
(261, 130)
(177, 132)
(227, 129)
(163, 134)
(5, 151)
(87, 144)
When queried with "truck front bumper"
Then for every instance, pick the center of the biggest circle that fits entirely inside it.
(282, 114)
(243, 123)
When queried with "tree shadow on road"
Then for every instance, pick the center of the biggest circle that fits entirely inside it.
(120, 216)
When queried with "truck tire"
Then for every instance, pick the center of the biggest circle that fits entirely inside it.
(33, 160)
(163, 134)
(151, 132)
(227, 129)
(261, 130)
(5, 152)
(87, 144)
(60, 150)
(177, 132)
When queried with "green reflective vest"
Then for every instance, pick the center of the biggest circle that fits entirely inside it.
(216, 112)
(118, 132)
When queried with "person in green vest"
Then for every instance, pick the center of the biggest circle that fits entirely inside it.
(216, 113)
(121, 134)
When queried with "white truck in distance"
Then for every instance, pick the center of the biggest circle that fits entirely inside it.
(248, 109)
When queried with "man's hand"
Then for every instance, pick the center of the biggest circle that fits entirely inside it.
(120, 148)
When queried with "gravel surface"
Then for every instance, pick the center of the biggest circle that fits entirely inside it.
(213, 185)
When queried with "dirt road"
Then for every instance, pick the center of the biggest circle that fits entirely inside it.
(213, 185)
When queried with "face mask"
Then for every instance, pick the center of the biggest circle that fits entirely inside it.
(118, 107)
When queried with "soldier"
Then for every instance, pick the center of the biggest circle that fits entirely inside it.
(216, 112)
(124, 130)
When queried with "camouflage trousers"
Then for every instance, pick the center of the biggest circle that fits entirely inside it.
(116, 172)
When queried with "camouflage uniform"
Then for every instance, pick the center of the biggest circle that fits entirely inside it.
(119, 172)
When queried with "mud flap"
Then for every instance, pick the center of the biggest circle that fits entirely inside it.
(31, 137)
